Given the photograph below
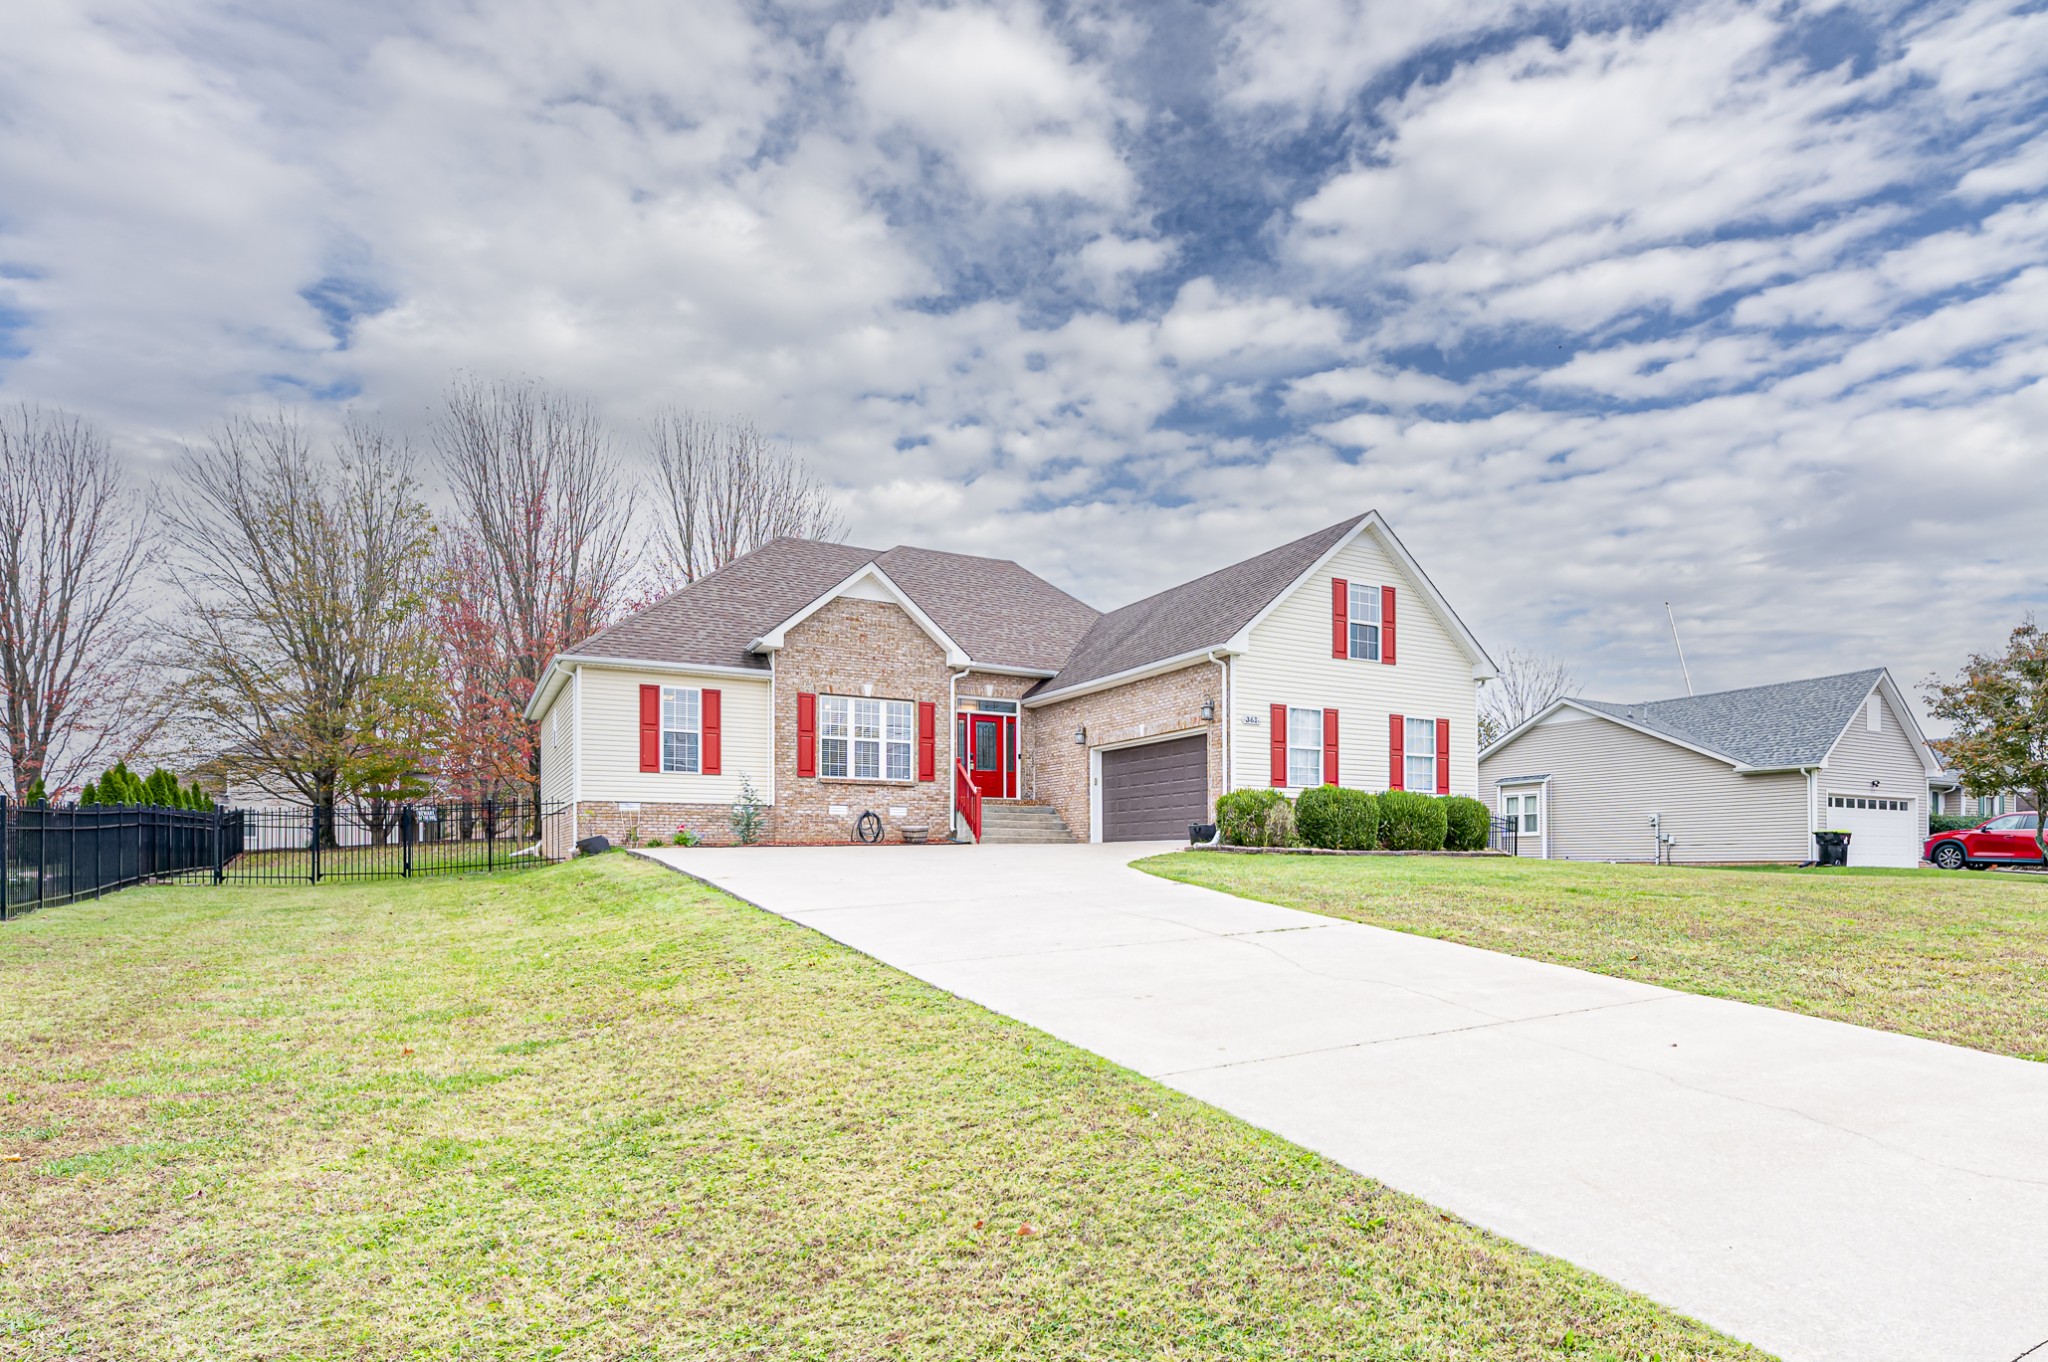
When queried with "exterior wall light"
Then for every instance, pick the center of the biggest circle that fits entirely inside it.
(1208, 711)
(1081, 736)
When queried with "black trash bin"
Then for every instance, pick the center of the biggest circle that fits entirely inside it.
(1199, 834)
(1834, 847)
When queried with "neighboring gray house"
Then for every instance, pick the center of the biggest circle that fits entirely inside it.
(1945, 794)
(1737, 776)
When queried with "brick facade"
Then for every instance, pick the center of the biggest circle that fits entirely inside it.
(711, 823)
(1157, 707)
(859, 648)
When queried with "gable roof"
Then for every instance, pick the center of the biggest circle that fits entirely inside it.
(714, 621)
(1217, 611)
(1205, 613)
(1785, 726)
(1792, 723)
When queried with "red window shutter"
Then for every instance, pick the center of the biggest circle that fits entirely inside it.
(713, 749)
(1443, 756)
(650, 728)
(1279, 722)
(1330, 747)
(1340, 618)
(927, 740)
(1387, 625)
(1397, 741)
(807, 735)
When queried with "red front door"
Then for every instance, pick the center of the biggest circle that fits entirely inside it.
(992, 754)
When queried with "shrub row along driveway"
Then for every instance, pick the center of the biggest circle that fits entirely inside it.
(1822, 1190)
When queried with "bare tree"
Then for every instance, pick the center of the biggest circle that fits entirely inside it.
(542, 510)
(74, 545)
(307, 633)
(1528, 683)
(726, 491)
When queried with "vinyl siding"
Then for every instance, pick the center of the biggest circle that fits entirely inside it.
(558, 747)
(1606, 781)
(1860, 757)
(611, 738)
(1290, 664)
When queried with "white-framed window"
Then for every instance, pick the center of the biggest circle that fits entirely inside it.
(1304, 747)
(863, 739)
(682, 729)
(1419, 755)
(1523, 813)
(1364, 619)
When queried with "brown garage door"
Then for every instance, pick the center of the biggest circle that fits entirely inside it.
(1153, 792)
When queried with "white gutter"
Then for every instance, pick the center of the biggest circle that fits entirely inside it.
(1129, 674)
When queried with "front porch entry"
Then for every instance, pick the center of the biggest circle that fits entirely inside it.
(986, 734)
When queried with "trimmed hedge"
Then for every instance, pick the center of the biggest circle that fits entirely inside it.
(1252, 818)
(1337, 819)
(1466, 823)
(1951, 822)
(1411, 821)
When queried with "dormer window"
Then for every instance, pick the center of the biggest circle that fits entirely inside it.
(1364, 618)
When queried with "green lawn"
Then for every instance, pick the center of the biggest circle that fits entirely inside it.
(1956, 957)
(599, 1111)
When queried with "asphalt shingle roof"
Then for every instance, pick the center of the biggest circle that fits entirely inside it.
(1792, 723)
(1204, 613)
(1000, 613)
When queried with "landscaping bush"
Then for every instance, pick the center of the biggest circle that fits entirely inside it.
(1951, 822)
(1466, 823)
(1337, 819)
(1411, 821)
(1280, 826)
(1242, 816)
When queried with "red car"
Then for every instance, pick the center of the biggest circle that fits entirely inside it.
(2005, 840)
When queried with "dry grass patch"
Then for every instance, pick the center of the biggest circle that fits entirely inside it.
(599, 1111)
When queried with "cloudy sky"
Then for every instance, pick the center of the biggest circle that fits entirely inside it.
(1744, 306)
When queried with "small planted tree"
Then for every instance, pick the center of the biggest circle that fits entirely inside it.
(1999, 706)
(749, 814)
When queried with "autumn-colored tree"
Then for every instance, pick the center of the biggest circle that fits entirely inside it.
(537, 559)
(307, 631)
(71, 689)
(1999, 706)
(488, 748)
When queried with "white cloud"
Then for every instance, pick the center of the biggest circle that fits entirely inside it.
(957, 257)
(996, 93)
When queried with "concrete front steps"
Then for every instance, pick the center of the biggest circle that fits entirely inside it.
(1009, 821)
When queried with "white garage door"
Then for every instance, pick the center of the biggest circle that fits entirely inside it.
(1885, 831)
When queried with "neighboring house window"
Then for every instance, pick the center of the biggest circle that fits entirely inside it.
(1522, 814)
(1304, 747)
(1419, 752)
(682, 729)
(1364, 619)
(861, 739)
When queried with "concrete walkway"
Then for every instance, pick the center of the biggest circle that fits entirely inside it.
(1826, 1192)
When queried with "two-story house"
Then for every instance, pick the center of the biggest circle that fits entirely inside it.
(968, 695)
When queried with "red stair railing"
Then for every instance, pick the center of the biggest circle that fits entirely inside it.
(966, 798)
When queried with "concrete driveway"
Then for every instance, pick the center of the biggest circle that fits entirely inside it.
(1820, 1190)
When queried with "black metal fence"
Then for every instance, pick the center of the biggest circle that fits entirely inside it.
(1501, 835)
(51, 855)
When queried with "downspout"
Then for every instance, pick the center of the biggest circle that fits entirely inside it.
(952, 734)
(1223, 714)
(771, 730)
